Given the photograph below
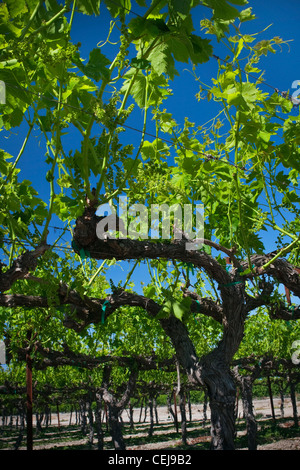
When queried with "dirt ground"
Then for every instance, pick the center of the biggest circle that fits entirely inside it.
(262, 411)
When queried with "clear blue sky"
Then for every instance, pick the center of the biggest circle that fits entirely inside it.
(281, 69)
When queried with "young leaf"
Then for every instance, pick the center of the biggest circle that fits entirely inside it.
(96, 66)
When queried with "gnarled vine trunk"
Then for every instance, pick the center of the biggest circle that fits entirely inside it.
(213, 370)
(98, 398)
(183, 417)
(294, 402)
(115, 426)
(249, 414)
(245, 383)
(115, 407)
(221, 393)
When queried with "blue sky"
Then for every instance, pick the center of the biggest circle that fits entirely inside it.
(281, 69)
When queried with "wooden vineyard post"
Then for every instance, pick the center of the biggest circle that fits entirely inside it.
(29, 396)
(175, 407)
(106, 416)
(271, 398)
(58, 419)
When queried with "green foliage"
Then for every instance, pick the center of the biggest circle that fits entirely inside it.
(264, 336)
(172, 307)
(96, 68)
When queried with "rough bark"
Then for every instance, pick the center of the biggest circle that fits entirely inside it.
(21, 411)
(91, 421)
(115, 407)
(54, 358)
(183, 417)
(98, 421)
(151, 427)
(281, 399)
(131, 416)
(20, 267)
(189, 406)
(115, 427)
(246, 383)
(136, 249)
(213, 370)
(174, 415)
(205, 406)
(155, 410)
(271, 398)
(294, 403)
